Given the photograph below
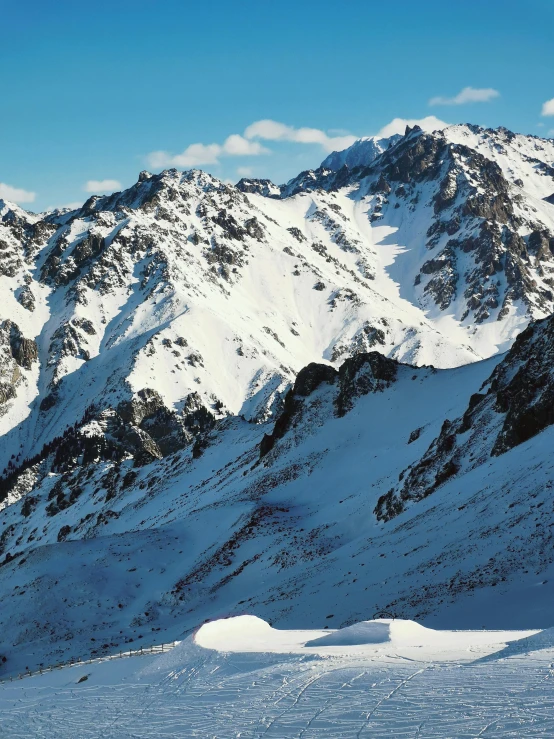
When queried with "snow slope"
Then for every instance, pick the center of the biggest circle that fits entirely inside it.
(227, 682)
(280, 518)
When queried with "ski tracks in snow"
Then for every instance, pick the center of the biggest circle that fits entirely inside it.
(284, 697)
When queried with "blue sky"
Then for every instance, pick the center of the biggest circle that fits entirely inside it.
(90, 92)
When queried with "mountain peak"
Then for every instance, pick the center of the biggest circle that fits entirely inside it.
(361, 153)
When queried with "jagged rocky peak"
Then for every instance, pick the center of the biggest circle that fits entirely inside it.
(152, 193)
(359, 375)
(514, 405)
(360, 154)
(259, 187)
(490, 247)
(22, 234)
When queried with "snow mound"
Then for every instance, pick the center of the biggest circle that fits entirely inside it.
(232, 633)
(535, 642)
(380, 631)
(384, 636)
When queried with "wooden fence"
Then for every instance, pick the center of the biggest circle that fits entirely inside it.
(154, 649)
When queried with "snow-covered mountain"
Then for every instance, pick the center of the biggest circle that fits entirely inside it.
(437, 252)
(193, 408)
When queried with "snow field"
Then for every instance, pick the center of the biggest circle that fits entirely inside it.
(278, 691)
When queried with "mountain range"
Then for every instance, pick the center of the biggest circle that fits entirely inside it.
(333, 394)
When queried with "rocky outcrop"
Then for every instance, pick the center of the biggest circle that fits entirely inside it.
(259, 187)
(16, 353)
(65, 262)
(357, 376)
(514, 405)
(26, 298)
(24, 351)
(363, 374)
(363, 341)
(169, 431)
(523, 387)
(307, 381)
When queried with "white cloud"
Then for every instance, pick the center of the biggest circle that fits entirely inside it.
(548, 107)
(96, 186)
(269, 130)
(16, 194)
(237, 146)
(467, 95)
(192, 156)
(245, 171)
(398, 125)
(195, 155)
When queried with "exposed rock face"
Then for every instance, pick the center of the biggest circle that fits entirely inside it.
(165, 430)
(259, 187)
(357, 376)
(363, 341)
(24, 351)
(144, 405)
(65, 261)
(197, 419)
(27, 298)
(308, 380)
(16, 354)
(526, 396)
(363, 374)
(514, 405)
(141, 429)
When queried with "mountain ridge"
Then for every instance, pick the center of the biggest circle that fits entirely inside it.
(89, 249)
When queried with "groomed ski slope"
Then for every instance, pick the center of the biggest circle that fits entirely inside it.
(240, 678)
